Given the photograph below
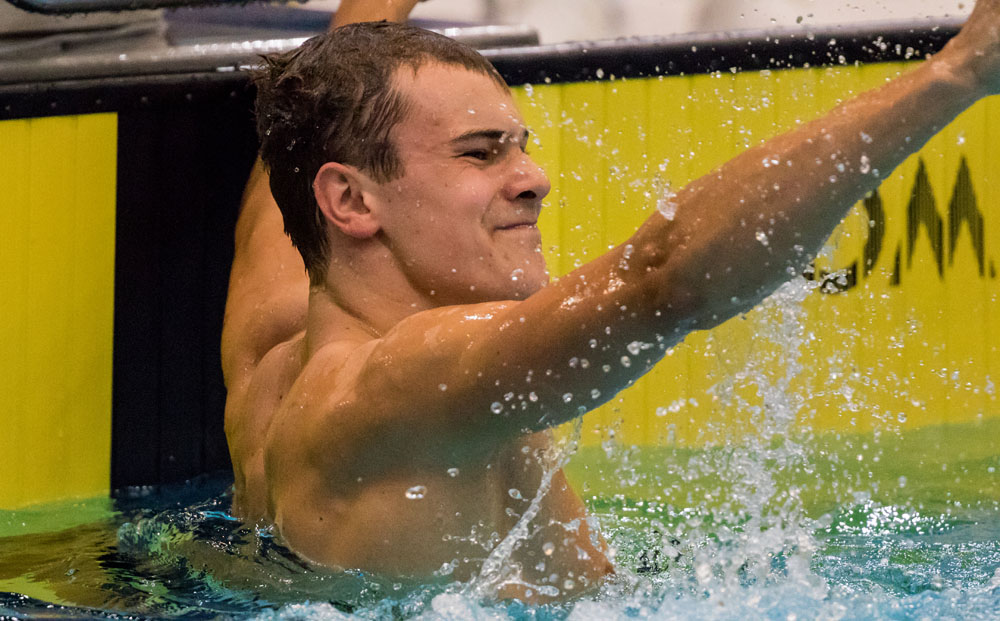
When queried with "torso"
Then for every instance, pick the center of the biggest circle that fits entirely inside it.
(419, 514)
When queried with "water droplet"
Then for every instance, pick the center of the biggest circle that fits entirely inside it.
(762, 238)
(548, 548)
(516, 274)
(442, 387)
(417, 492)
(661, 411)
(866, 165)
(594, 393)
(495, 407)
(633, 348)
(666, 204)
(626, 361)
(866, 138)
(515, 493)
(532, 397)
(567, 397)
(599, 73)
(703, 571)
(573, 362)
(901, 417)
(453, 472)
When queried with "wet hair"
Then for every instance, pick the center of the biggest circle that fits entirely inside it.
(333, 100)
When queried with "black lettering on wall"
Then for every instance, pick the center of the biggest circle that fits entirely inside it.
(921, 213)
(896, 269)
(922, 210)
(845, 279)
(876, 231)
(963, 208)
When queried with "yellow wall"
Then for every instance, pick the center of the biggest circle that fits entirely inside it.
(919, 352)
(57, 217)
(922, 350)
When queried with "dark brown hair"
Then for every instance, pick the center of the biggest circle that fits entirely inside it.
(332, 99)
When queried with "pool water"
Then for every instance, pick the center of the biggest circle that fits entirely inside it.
(924, 547)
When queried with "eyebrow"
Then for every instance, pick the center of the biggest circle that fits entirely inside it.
(489, 134)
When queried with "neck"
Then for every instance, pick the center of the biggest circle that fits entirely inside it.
(361, 298)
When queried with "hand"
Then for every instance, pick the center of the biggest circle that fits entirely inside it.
(351, 11)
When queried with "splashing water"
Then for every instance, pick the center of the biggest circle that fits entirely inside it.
(717, 533)
(498, 570)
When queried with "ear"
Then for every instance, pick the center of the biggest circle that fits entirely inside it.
(340, 191)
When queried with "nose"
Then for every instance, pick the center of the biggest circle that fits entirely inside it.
(527, 180)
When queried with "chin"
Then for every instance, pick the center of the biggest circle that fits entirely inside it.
(500, 285)
(534, 280)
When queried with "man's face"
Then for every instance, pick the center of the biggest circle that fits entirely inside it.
(461, 220)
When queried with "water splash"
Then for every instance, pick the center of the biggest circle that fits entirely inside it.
(498, 570)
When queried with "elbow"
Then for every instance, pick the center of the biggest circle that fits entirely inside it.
(683, 298)
(676, 301)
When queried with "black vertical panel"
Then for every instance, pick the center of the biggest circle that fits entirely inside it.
(134, 434)
(179, 206)
(180, 177)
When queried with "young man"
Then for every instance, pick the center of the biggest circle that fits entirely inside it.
(392, 413)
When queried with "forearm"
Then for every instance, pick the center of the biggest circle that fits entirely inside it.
(738, 232)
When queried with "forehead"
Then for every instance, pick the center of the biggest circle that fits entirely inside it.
(448, 101)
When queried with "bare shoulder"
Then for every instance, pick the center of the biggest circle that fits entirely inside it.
(363, 408)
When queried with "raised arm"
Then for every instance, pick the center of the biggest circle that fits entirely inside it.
(351, 11)
(739, 231)
(494, 371)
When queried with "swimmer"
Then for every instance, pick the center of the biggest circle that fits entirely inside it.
(392, 385)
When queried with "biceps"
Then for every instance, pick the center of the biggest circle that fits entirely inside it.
(268, 286)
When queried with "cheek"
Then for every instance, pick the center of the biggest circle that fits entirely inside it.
(474, 189)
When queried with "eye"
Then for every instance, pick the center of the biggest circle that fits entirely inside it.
(482, 155)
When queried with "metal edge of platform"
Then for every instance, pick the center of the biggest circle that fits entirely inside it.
(511, 49)
(223, 56)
